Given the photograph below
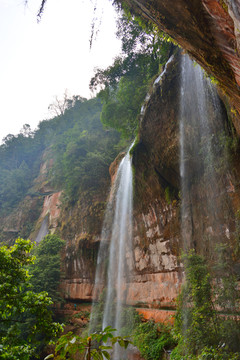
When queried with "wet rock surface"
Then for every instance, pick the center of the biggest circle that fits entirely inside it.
(209, 31)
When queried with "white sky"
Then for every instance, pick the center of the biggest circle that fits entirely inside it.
(41, 60)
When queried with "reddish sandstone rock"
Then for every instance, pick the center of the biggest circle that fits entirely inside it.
(51, 207)
(161, 316)
(155, 290)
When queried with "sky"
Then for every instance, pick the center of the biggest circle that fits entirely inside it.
(40, 61)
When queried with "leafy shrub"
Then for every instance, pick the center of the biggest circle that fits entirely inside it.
(46, 270)
(153, 340)
(26, 322)
(211, 353)
(203, 332)
(207, 353)
(93, 346)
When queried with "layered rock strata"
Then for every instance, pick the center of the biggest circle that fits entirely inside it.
(158, 273)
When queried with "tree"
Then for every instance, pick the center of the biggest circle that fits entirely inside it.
(59, 106)
(46, 270)
(25, 317)
(83, 152)
(20, 157)
(26, 131)
(124, 85)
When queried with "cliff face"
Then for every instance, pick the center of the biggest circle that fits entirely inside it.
(156, 213)
(81, 226)
(209, 31)
(157, 155)
(158, 238)
(158, 272)
(157, 242)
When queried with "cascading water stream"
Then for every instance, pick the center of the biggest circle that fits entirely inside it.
(120, 243)
(43, 230)
(201, 124)
(116, 247)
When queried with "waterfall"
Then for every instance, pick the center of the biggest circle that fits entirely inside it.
(116, 262)
(43, 230)
(201, 126)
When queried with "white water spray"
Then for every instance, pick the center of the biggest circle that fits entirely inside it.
(200, 125)
(120, 243)
(43, 230)
(115, 260)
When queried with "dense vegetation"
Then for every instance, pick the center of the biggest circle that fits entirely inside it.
(19, 164)
(46, 270)
(207, 319)
(95, 346)
(126, 83)
(76, 141)
(207, 323)
(153, 340)
(84, 151)
(26, 321)
(201, 331)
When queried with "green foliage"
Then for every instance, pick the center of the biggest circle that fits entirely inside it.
(25, 318)
(207, 353)
(19, 163)
(196, 316)
(153, 340)
(125, 83)
(84, 152)
(226, 295)
(170, 194)
(219, 353)
(46, 269)
(94, 346)
(77, 142)
(202, 331)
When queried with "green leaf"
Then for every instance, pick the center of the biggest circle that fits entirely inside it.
(106, 354)
(96, 355)
(105, 338)
(121, 342)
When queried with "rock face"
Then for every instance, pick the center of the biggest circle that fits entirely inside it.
(157, 242)
(158, 272)
(20, 221)
(157, 212)
(81, 226)
(209, 31)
